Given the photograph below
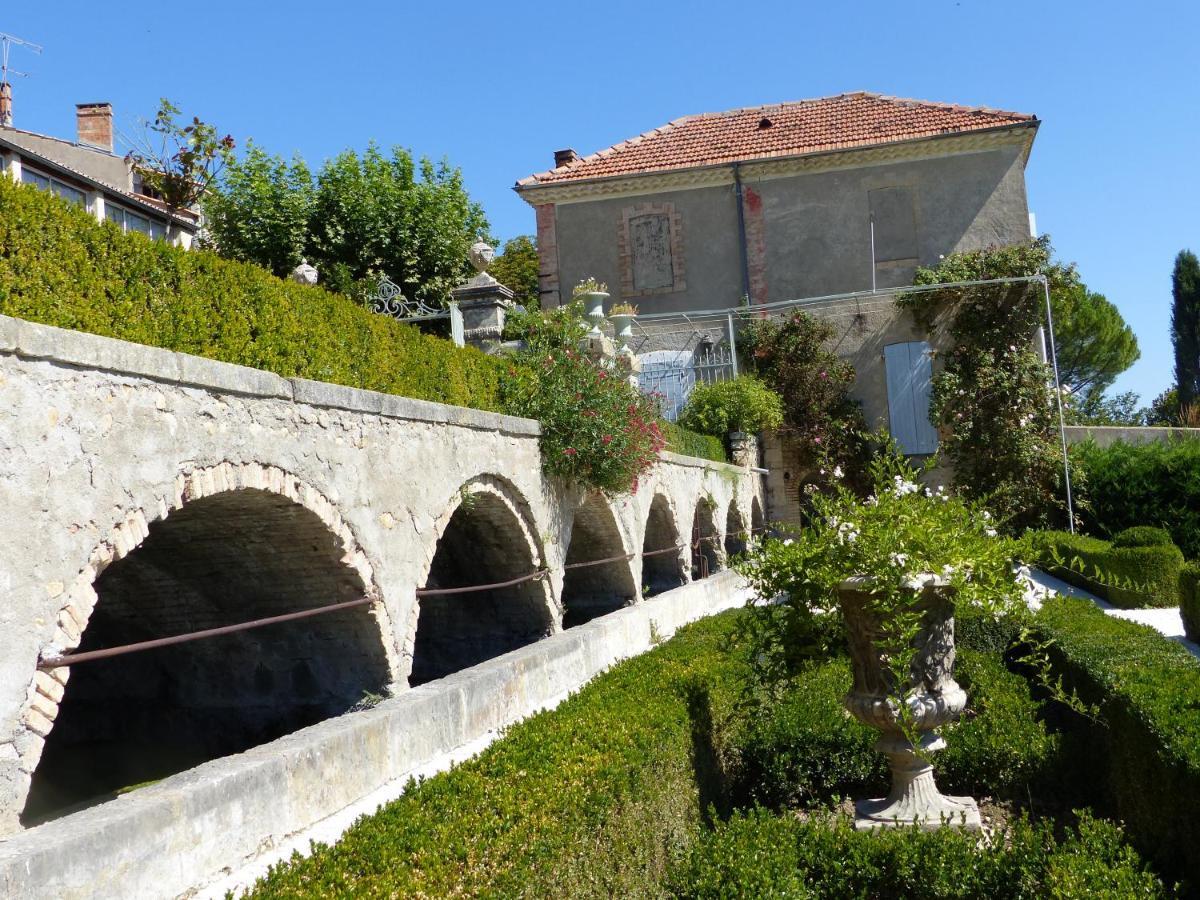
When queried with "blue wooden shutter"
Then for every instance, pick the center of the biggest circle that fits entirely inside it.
(909, 375)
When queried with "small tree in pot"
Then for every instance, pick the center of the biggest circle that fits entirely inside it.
(895, 568)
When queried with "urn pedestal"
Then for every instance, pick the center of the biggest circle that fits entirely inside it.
(934, 699)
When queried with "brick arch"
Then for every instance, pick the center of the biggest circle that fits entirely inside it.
(486, 534)
(660, 529)
(216, 490)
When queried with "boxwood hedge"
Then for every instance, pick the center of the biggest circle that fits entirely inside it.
(1129, 576)
(1189, 599)
(1140, 757)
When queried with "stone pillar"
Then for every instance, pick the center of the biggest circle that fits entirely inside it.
(743, 449)
(629, 365)
(483, 301)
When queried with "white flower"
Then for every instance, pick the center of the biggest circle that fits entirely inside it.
(872, 500)
(837, 471)
(899, 558)
(990, 532)
(947, 570)
(788, 542)
(987, 516)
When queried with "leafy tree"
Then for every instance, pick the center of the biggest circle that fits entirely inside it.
(1097, 408)
(1164, 409)
(262, 213)
(363, 216)
(1094, 344)
(517, 269)
(179, 163)
(1185, 326)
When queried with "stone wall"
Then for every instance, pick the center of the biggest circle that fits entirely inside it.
(148, 493)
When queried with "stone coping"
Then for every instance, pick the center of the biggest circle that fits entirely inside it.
(189, 829)
(697, 462)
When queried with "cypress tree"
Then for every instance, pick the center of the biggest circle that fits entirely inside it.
(1185, 326)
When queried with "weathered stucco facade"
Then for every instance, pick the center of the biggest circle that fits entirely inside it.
(148, 493)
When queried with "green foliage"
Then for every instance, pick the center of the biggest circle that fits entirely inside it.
(740, 404)
(595, 798)
(757, 854)
(1142, 536)
(689, 443)
(361, 217)
(1094, 344)
(1164, 409)
(1098, 408)
(1130, 577)
(60, 267)
(596, 428)
(792, 357)
(516, 267)
(1185, 326)
(1189, 599)
(896, 538)
(996, 417)
(1156, 483)
(179, 163)
(1142, 753)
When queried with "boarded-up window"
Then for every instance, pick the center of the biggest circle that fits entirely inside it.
(909, 375)
(894, 217)
(651, 240)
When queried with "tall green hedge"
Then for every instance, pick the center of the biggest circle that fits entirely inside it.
(1144, 484)
(60, 267)
(689, 443)
(1140, 756)
(1130, 577)
(1189, 599)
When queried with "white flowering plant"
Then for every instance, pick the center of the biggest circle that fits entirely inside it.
(901, 534)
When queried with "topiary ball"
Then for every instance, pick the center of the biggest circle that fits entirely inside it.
(1143, 536)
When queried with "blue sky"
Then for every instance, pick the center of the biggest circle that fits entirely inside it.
(498, 88)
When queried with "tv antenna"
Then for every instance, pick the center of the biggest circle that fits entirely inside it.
(6, 43)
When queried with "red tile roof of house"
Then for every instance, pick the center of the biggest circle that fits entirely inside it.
(857, 119)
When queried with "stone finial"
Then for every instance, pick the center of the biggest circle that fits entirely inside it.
(481, 256)
(304, 273)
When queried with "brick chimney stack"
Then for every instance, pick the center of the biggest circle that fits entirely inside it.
(6, 104)
(564, 157)
(94, 125)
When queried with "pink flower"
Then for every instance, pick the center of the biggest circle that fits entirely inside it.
(607, 439)
(570, 451)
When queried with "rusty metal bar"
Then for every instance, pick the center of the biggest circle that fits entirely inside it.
(438, 592)
(596, 562)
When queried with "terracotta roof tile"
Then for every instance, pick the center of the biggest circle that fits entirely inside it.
(786, 129)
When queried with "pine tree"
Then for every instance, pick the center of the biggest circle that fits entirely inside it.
(1185, 326)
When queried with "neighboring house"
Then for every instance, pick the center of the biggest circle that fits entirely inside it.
(87, 172)
(789, 201)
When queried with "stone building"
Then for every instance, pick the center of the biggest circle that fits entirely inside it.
(86, 171)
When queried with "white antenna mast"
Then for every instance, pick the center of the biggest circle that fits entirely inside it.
(6, 43)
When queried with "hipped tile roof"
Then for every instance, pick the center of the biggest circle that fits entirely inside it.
(857, 119)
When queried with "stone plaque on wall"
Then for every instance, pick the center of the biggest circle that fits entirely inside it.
(651, 240)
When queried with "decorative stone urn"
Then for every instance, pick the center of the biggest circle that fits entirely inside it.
(623, 325)
(593, 304)
(304, 273)
(934, 699)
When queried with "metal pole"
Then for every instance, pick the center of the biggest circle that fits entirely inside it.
(732, 345)
(872, 220)
(1062, 422)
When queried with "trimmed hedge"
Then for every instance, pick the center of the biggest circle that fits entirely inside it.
(1189, 599)
(1141, 757)
(757, 854)
(59, 266)
(1143, 536)
(1130, 577)
(598, 797)
(689, 443)
(1156, 483)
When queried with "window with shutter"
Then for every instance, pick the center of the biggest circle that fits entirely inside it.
(909, 379)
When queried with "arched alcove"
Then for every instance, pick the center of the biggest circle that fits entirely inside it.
(757, 523)
(483, 543)
(736, 537)
(707, 558)
(591, 591)
(227, 558)
(661, 571)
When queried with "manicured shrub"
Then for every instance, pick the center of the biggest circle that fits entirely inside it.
(1140, 757)
(1156, 483)
(758, 854)
(682, 440)
(1189, 599)
(1143, 536)
(58, 266)
(1129, 577)
(740, 404)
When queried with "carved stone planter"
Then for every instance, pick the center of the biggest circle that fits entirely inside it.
(593, 306)
(935, 700)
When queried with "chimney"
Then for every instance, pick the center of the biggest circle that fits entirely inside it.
(564, 157)
(6, 104)
(94, 125)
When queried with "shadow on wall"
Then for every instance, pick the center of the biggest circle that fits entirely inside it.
(661, 571)
(483, 543)
(593, 591)
(220, 560)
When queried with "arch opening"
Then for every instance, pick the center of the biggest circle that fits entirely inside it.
(706, 550)
(736, 538)
(595, 590)
(662, 571)
(220, 560)
(757, 523)
(483, 543)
